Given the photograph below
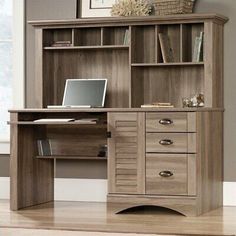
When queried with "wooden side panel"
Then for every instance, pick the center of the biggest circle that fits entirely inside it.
(14, 163)
(209, 160)
(38, 90)
(126, 153)
(213, 57)
(32, 180)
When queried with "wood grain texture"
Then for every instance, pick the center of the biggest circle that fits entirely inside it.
(173, 185)
(38, 83)
(181, 142)
(178, 122)
(210, 161)
(112, 21)
(184, 205)
(214, 64)
(95, 217)
(126, 153)
(111, 64)
(31, 179)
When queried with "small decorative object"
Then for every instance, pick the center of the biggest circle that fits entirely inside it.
(96, 8)
(131, 8)
(195, 101)
(169, 7)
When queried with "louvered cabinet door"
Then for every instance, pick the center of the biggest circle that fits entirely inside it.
(126, 153)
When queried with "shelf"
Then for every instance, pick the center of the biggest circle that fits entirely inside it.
(168, 64)
(54, 123)
(88, 47)
(72, 158)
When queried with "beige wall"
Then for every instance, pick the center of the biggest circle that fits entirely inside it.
(56, 9)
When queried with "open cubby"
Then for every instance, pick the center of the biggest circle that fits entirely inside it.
(51, 36)
(173, 32)
(70, 139)
(143, 44)
(114, 35)
(166, 84)
(87, 36)
(189, 34)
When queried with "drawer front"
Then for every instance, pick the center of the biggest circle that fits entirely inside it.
(166, 174)
(171, 142)
(170, 122)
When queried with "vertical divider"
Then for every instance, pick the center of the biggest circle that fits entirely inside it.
(102, 36)
(73, 37)
(130, 65)
(181, 43)
(156, 44)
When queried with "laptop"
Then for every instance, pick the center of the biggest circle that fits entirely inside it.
(83, 93)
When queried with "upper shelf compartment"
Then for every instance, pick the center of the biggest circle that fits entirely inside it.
(192, 42)
(52, 36)
(116, 36)
(87, 38)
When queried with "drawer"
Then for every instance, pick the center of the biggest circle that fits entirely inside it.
(170, 122)
(168, 174)
(171, 142)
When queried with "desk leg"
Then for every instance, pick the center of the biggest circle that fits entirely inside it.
(32, 180)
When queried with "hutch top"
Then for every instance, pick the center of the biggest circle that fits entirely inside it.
(135, 69)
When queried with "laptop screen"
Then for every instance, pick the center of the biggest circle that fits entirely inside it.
(85, 92)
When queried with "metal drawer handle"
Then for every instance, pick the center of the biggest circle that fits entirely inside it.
(166, 174)
(165, 121)
(166, 142)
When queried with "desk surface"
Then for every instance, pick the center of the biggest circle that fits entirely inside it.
(30, 110)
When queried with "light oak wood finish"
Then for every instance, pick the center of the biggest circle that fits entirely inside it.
(126, 153)
(136, 75)
(137, 70)
(171, 142)
(31, 179)
(169, 122)
(182, 181)
(113, 21)
(87, 217)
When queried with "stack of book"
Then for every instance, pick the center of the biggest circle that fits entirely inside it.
(61, 44)
(158, 105)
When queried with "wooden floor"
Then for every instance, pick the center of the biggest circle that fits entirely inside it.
(95, 217)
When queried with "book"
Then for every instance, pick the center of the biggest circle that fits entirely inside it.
(158, 105)
(61, 44)
(155, 106)
(54, 120)
(166, 49)
(126, 38)
(198, 48)
(44, 147)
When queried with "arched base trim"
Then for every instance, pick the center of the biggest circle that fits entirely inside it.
(186, 206)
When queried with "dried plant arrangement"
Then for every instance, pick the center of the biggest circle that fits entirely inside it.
(131, 8)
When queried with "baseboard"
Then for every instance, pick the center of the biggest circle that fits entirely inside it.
(87, 190)
(95, 190)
